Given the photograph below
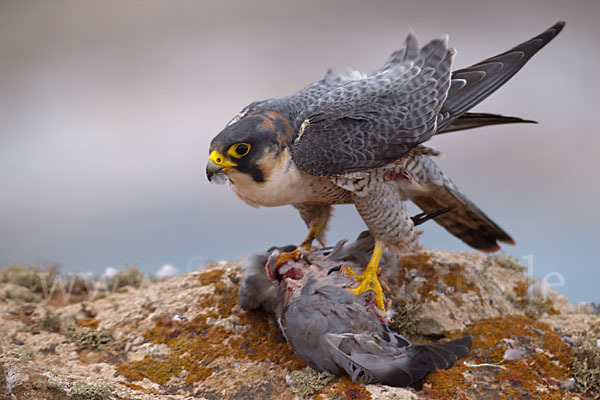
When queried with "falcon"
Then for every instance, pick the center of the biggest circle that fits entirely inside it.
(357, 138)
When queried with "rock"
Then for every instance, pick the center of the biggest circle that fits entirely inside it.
(166, 271)
(513, 354)
(187, 337)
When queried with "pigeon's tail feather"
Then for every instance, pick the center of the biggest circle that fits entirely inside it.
(360, 250)
(418, 360)
(406, 368)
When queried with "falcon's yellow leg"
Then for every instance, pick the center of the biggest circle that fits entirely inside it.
(368, 279)
(285, 256)
(312, 235)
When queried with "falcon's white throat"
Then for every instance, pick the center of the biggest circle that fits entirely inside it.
(284, 184)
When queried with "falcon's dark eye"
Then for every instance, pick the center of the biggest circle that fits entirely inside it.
(239, 150)
(242, 149)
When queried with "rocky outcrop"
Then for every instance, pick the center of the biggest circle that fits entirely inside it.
(187, 337)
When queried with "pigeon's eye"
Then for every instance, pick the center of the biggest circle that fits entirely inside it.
(239, 150)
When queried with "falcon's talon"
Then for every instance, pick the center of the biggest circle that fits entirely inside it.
(348, 271)
(368, 280)
(313, 233)
(284, 257)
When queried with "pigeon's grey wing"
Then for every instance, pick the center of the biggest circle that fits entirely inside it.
(363, 361)
(305, 321)
(256, 290)
(470, 86)
(477, 120)
(360, 250)
(368, 122)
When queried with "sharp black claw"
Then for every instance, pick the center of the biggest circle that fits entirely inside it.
(334, 269)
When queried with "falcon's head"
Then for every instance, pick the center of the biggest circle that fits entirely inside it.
(249, 146)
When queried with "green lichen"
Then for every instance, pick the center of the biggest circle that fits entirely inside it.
(46, 283)
(132, 277)
(406, 318)
(25, 354)
(86, 338)
(586, 366)
(535, 308)
(2, 379)
(532, 306)
(506, 261)
(91, 391)
(51, 385)
(308, 382)
(28, 276)
(50, 322)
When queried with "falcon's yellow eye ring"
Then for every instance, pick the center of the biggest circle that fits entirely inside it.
(239, 150)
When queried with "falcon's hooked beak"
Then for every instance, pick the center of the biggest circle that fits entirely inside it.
(216, 166)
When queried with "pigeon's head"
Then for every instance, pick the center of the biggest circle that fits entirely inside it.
(288, 271)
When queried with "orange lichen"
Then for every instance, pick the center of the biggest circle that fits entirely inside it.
(448, 393)
(88, 323)
(211, 276)
(414, 261)
(545, 362)
(158, 371)
(346, 389)
(455, 279)
(452, 282)
(194, 345)
(425, 269)
(196, 372)
(446, 378)
(24, 314)
(520, 290)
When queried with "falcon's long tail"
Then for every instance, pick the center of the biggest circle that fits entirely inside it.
(432, 190)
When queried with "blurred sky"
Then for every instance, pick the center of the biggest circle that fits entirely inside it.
(107, 109)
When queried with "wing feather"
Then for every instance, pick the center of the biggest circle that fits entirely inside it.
(368, 122)
(470, 86)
